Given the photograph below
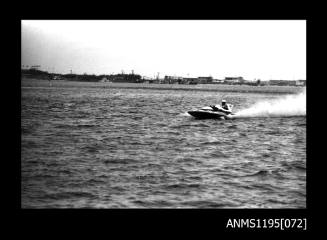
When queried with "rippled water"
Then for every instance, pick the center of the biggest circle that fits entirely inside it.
(116, 147)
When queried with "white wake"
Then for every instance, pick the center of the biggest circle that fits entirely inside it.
(290, 105)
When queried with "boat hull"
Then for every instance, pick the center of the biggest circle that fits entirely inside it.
(208, 114)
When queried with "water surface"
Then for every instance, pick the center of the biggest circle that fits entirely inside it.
(98, 147)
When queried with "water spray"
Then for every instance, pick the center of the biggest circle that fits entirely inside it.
(290, 105)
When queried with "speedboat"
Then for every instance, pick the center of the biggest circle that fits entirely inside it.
(215, 111)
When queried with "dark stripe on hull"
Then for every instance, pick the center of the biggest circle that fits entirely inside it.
(205, 114)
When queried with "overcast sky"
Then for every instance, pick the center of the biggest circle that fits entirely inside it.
(217, 48)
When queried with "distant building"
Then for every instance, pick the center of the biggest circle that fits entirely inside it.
(250, 82)
(264, 83)
(150, 81)
(172, 80)
(217, 81)
(131, 78)
(189, 80)
(204, 80)
(282, 82)
(234, 80)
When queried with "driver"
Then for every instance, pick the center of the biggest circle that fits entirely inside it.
(224, 107)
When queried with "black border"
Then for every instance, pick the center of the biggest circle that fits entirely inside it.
(183, 220)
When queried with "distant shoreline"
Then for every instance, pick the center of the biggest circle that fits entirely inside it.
(199, 87)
